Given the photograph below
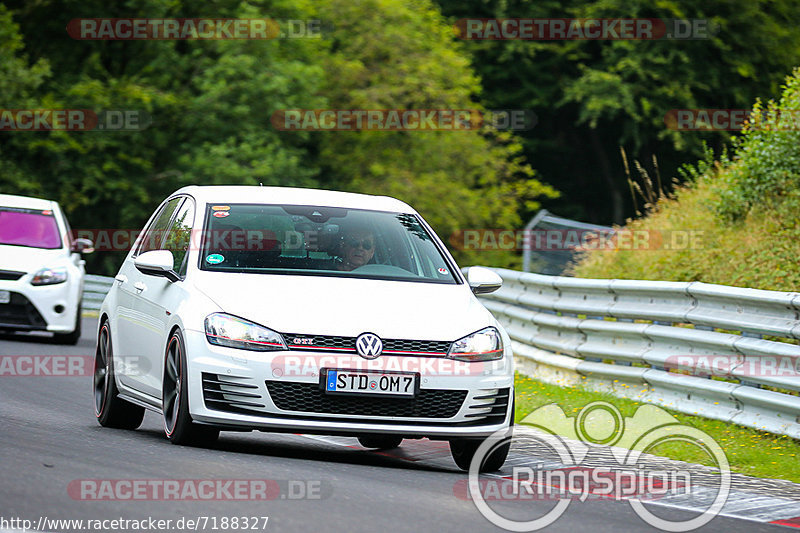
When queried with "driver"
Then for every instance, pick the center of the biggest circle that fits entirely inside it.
(358, 247)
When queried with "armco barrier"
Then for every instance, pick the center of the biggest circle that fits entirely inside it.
(95, 289)
(622, 336)
(625, 336)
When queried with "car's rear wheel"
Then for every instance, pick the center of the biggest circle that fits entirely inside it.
(380, 442)
(178, 423)
(74, 336)
(109, 408)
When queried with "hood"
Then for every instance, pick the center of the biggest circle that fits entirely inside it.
(24, 259)
(316, 305)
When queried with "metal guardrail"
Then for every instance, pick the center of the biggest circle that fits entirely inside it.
(643, 340)
(626, 336)
(95, 289)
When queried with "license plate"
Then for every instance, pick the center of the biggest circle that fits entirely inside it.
(5, 297)
(377, 383)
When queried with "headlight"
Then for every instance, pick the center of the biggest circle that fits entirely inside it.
(49, 276)
(227, 330)
(483, 345)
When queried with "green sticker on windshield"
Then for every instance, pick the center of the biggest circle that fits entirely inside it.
(215, 259)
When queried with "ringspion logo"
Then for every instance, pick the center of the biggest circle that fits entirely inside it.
(627, 477)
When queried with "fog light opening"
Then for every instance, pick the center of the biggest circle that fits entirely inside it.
(59, 309)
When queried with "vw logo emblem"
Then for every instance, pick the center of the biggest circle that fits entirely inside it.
(369, 345)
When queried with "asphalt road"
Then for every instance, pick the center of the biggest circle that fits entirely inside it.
(49, 439)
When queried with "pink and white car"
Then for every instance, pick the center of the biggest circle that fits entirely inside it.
(41, 270)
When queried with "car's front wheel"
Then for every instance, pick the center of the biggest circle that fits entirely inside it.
(380, 442)
(109, 408)
(178, 423)
(463, 450)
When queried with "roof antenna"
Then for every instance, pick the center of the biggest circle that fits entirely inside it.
(260, 184)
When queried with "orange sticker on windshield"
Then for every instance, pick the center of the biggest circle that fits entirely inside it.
(221, 208)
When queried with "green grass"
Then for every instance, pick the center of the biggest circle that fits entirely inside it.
(759, 251)
(749, 451)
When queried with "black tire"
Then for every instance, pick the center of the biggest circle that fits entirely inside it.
(380, 442)
(178, 424)
(111, 411)
(74, 336)
(463, 450)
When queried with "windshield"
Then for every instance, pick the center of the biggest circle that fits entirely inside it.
(33, 228)
(324, 241)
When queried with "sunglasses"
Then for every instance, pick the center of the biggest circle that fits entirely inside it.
(366, 244)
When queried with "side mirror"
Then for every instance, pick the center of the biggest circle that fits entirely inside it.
(82, 246)
(157, 263)
(482, 280)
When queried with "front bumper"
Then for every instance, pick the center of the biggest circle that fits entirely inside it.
(279, 391)
(43, 308)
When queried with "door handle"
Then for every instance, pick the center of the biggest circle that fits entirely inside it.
(139, 286)
(121, 278)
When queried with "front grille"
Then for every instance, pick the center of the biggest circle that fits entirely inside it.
(416, 347)
(20, 312)
(309, 398)
(299, 341)
(317, 342)
(10, 275)
(496, 400)
(232, 394)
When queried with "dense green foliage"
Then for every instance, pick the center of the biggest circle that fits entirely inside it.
(744, 211)
(767, 174)
(211, 103)
(594, 96)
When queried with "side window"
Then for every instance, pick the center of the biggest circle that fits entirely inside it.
(154, 234)
(179, 236)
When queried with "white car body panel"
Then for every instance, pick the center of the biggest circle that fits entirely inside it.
(44, 298)
(142, 321)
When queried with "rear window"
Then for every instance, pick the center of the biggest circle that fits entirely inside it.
(33, 228)
(320, 241)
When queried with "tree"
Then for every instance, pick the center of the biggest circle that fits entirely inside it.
(594, 96)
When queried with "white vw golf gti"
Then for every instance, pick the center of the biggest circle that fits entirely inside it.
(299, 310)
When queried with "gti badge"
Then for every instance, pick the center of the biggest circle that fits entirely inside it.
(369, 345)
